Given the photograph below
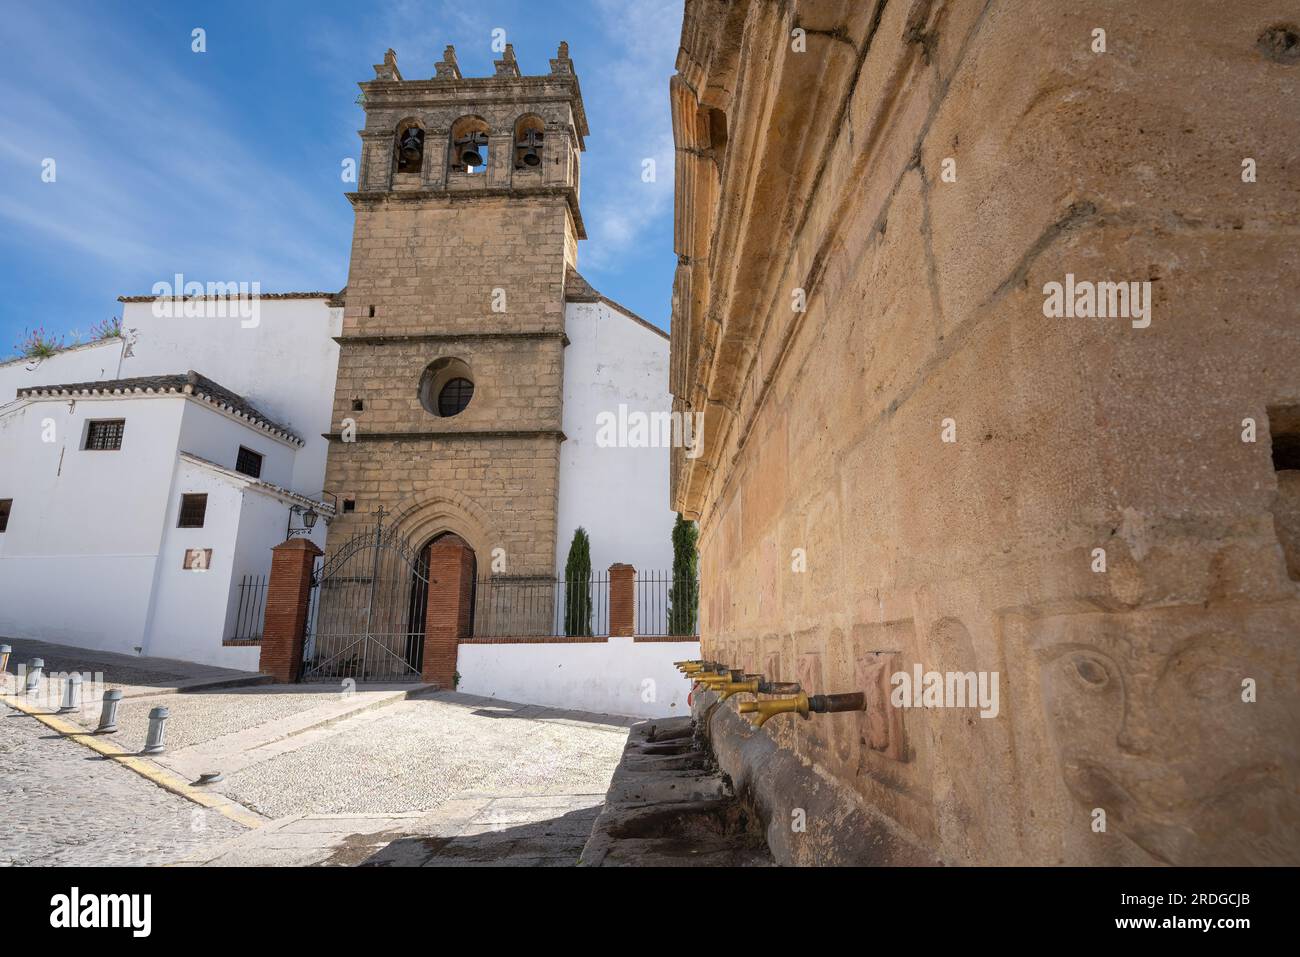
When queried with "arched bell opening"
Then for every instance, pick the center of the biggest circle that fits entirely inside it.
(469, 145)
(408, 147)
(530, 129)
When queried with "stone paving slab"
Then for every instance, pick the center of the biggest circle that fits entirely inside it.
(475, 831)
(502, 782)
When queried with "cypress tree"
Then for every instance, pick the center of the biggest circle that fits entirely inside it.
(577, 586)
(683, 596)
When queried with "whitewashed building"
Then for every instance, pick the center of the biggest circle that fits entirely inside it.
(144, 479)
(124, 462)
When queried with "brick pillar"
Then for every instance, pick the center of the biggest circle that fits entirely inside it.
(622, 606)
(287, 594)
(447, 617)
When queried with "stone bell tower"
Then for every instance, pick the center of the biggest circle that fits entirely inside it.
(447, 410)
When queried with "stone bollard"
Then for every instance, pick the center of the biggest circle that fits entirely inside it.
(71, 694)
(34, 669)
(108, 716)
(5, 652)
(153, 742)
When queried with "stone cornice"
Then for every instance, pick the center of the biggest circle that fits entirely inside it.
(721, 326)
(444, 91)
(367, 436)
(369, 340)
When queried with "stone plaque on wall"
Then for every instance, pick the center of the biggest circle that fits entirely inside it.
(197, 559)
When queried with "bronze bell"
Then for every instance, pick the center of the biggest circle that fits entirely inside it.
(413, 145)
(528, 145)
(467, 149)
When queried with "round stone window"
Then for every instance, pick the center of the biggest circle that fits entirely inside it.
(454, 396)
(446, 388)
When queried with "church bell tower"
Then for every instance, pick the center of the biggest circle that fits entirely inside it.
(447, 410)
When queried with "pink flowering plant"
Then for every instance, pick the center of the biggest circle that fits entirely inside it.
(108, 329)
(38, 343)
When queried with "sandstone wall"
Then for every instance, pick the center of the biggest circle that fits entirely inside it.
(822, 171)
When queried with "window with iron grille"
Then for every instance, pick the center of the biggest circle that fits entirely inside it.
(5, 505)
(249, 462)
(194, 508)
(455, 395)
(104, 435)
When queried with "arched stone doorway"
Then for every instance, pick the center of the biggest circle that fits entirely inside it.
(442, 606)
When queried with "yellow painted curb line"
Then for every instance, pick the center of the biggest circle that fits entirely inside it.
(145, 768)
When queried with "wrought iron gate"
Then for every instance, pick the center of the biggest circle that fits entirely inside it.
(366, 617)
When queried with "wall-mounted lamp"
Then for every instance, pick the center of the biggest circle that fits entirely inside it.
(309, 516)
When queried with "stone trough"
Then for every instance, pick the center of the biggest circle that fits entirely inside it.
(669, 805)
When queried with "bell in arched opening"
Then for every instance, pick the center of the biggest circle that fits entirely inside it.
(410, 149)
(529, 149)
(528, 141)
(471, 149)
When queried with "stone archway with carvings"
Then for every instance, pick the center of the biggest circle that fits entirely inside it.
(424, 515)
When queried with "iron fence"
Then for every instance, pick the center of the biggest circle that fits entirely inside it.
(666, 605)
(251, 612)
(523, 607)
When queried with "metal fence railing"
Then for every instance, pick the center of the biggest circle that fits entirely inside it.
(666, 605)
(251, 611)
(505, 607)
(522, 607)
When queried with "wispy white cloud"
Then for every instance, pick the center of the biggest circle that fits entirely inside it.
(165, 165)
(149, 175)
(632, 100)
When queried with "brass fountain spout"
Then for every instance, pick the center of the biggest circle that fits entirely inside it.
(749, 684)
(804, 705)
(771, 707)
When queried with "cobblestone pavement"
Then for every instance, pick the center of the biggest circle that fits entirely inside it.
(62, 804)
(415, 755)
(462, 769)
(200, 716)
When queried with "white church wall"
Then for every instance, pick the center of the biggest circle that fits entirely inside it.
(77, 560)
(620, 676)
(212, 435)
(285, 365)
(93, 362)
(619, 495)
(92, 555)
(189, 608)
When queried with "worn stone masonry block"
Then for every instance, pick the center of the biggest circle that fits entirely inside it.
(1072, 439)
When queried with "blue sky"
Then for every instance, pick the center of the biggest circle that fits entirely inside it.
(225, 165)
